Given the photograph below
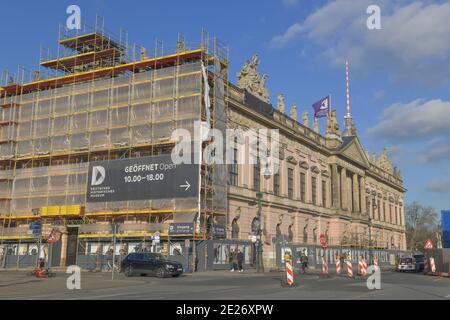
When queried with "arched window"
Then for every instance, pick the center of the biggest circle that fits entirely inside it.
(234, 229)
(278, 230)
(290, 234)
(305, 235)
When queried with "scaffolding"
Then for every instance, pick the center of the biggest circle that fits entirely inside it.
(102, 101)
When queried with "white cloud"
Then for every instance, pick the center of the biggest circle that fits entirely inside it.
(435, 154)
(438, 186)
(414, 121)
(414, 37)
(290, 34)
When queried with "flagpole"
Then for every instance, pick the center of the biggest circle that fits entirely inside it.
(329, 109)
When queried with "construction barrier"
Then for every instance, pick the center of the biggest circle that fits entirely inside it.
(360, 266)
(433, 265)
(349, 269)
(365, 267)
(289, 273)
(338, 266)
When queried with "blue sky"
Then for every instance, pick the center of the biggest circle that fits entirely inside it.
(399, 75)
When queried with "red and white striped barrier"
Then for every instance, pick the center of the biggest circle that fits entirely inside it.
(324, 266)
(289, 273)
(365, 267)
(349, 269)
(360, 267)
(433, 265)
(338, 266)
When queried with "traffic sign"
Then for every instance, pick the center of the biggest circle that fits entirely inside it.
(428, 245)
(323, 241)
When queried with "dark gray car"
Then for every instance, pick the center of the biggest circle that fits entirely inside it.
(154, 264)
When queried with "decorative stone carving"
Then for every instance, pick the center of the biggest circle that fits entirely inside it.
(250, 80)
(316, 125)
(280, 218)
(280, 103)
(397, 173)
(384, 162)
(332, 130)
(294, 113)
(305, 119)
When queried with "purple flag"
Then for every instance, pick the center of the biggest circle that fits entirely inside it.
(322, 107)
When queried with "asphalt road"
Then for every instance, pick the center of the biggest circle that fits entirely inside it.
(222, 285)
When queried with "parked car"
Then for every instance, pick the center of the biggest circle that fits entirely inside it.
(406, 264)
(154, 264)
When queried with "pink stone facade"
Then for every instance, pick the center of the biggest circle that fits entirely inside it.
(347, 185)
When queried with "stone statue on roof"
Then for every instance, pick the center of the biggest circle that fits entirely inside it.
(332, 125)
(250, 80)
(294, 112)
(280, 103)
(384, 162)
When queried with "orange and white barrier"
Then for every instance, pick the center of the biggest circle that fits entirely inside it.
(338, 266)
(289, 273)
(360, 267)
(365, 267)
(324, 266)
(349, 269)
(433, 265)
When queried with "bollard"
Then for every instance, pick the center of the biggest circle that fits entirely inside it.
(433, 265)
(289, 273)
(349, 269)
(360, 267)
(364, 267)
(338, 267)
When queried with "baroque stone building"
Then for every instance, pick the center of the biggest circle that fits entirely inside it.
(326, 184)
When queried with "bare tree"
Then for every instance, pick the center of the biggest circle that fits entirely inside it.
(421, 225)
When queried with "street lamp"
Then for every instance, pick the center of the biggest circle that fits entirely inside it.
(374, 207)
(258, 231)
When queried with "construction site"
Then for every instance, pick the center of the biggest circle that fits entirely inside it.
(101, 99)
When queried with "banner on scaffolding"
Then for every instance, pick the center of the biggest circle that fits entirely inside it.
(146, 178)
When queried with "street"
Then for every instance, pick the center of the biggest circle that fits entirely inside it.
(223, 285)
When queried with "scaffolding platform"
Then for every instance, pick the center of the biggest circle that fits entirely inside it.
(90, 41)
(70, 63)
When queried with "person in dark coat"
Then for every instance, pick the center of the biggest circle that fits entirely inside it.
(231, 260)
(240, 261)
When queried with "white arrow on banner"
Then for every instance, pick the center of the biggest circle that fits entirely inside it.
(186, 186)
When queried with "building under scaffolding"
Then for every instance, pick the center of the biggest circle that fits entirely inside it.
(100, 101)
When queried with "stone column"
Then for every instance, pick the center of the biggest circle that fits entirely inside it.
(336, 200)
(356, 207)
(344, 189)
(362, 193)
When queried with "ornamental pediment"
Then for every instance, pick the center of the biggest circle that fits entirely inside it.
(353, 150)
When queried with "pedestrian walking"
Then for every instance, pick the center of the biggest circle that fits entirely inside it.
(240, 261)
(231, 260)
(235, 260)
(304, 261)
